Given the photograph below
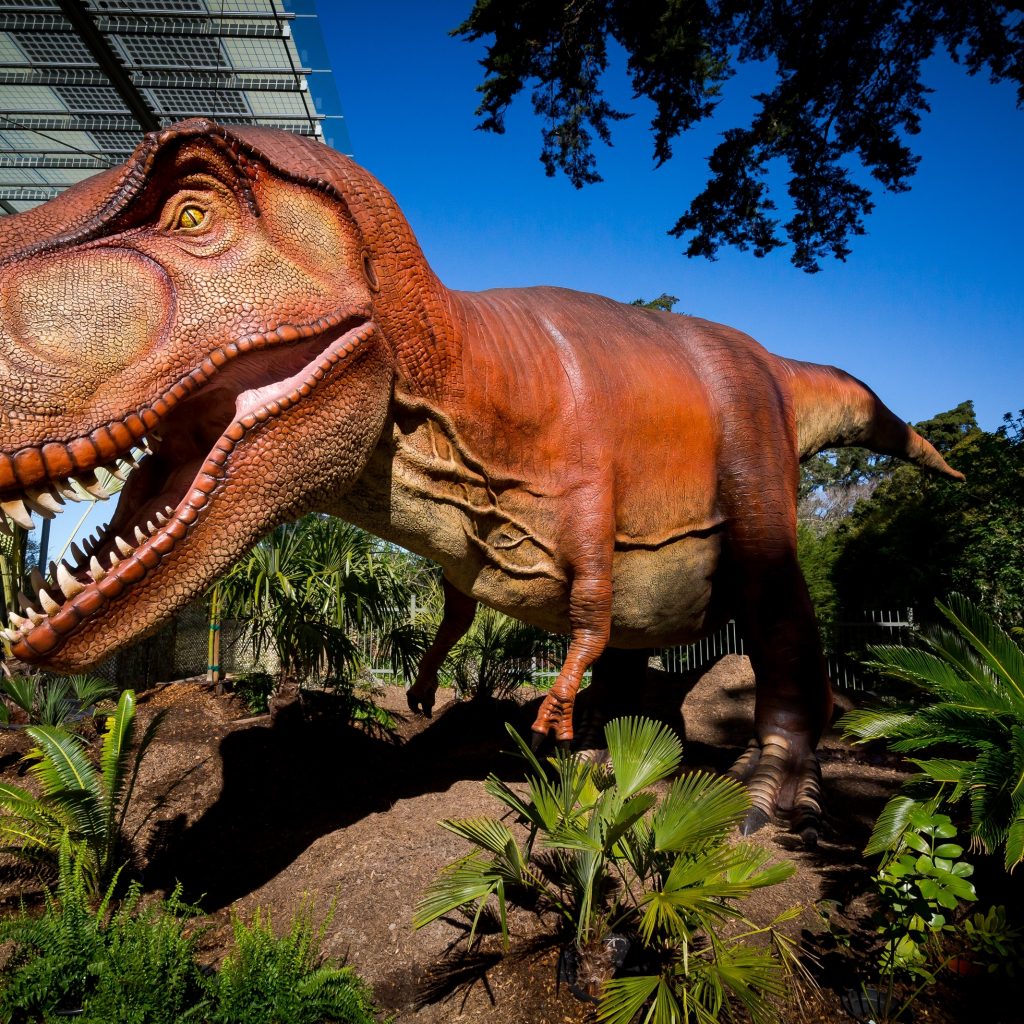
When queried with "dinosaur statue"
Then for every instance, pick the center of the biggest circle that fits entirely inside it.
(241, 322)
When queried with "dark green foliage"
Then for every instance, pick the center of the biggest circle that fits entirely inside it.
(920, 886)
(52, 700)
(148, 972)
(664, 302)
(920, 537)
(308, 588)
(87, 801)
(136, 964)
(496, 656)
(50, 965)
(254, 688)
(609, 856)
(271, 980)
(817, 553)
(846, 89)
(966, 707)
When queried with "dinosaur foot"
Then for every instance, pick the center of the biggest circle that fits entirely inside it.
(421, 699)
(782, 778)
(555, 715)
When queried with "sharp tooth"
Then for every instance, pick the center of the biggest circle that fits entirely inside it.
(9, 635)
(48, 604)
(88, 482)
(89, 544)
(5, 527)
(77, 554)
(140, 537)
(51, 571)
(161, 518)
(67, 491)
(67, 581)
(118, 472)
(97, 570)
(43, 501)
(123, 546)
(129, 460)
(35, 616)
(15, 509)
(16, 620)
(114, 560)
(36, 579)
(25, 604)
(150, 528)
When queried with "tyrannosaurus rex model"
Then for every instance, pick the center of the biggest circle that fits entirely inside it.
(258, 305)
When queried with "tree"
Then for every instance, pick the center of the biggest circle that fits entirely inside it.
(919, 538)
(847, 89)
(664, 303)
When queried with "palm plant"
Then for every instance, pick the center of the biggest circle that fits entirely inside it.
(88, 802)
(496, 656)
(616, 862)
(308, 588)
(966, 693)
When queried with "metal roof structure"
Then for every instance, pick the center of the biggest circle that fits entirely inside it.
(82, 80)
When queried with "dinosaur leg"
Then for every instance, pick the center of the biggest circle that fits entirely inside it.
(616, 678)
(590, 613)
(793, 701)
(455, 621)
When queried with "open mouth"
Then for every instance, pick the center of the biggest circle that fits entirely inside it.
(172, 454)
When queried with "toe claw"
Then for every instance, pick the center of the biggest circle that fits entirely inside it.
(537, 740)
(755, 819)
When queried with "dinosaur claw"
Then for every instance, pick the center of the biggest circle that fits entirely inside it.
(537, 740)
(809, 836)
(755, 819)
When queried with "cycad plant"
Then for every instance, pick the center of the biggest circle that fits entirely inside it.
(87, 801)
(52, 700)
(966, 698)
(622, 864)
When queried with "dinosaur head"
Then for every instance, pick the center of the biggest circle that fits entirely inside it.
(201, 321)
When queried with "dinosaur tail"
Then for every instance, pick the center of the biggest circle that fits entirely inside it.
(835, 410)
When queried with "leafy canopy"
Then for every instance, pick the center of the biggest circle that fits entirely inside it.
(846, 89)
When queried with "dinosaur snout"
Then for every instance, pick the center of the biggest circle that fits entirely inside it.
(71, 321)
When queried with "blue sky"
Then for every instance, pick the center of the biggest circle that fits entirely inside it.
(928, 309)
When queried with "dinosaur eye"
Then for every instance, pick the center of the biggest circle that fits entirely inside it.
(191, 217)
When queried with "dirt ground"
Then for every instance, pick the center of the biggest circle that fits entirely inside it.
(249, 812)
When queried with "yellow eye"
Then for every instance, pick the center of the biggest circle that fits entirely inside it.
(191, 217)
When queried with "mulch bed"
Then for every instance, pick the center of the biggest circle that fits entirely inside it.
(252, 812)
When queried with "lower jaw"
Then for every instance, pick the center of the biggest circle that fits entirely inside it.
(45, 637)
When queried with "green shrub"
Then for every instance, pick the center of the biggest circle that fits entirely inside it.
(87, 801)
(967, 700)
(51, 963)
(271, 980)
(254, 689)
(135, 964)
(52, 700)
(617, 862)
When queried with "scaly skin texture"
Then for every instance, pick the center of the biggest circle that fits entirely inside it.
(257, 305)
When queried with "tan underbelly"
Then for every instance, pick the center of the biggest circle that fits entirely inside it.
(659, 597)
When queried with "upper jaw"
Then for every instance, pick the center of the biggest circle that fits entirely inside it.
(145, 533)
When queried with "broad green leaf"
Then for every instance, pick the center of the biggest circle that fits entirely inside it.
(63, 762)
(642, 752)
(623, 998)
(698, 808)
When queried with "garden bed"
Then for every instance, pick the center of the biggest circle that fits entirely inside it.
(250, 812)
